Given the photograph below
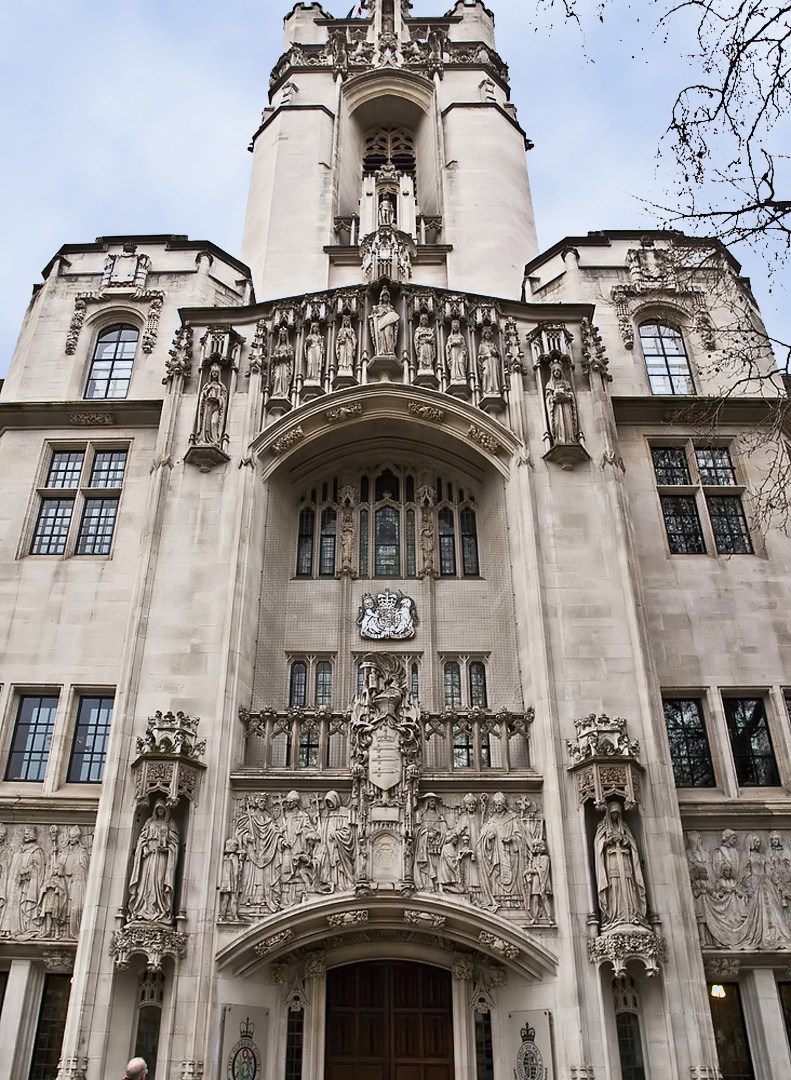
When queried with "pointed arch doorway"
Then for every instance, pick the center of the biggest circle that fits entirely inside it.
(389, 1020)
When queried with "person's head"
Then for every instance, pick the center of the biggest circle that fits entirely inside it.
(136, 1069)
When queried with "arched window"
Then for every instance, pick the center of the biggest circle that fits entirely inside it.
(150, 992)
(327, 542)
(389, 146)
(324, 683)
(665, 359)
(447, 543)
(307, 522)
(627, 1027)
(298, 686)
(452, 681)
(387, 542)
(111, 365)
(469, 543)
(477, 673)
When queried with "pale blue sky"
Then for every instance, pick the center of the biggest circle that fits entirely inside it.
(135, 118)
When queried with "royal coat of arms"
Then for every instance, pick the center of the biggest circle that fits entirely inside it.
(389, 615)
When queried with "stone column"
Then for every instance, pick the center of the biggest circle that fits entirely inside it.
(766, 1027)
(19, 1018)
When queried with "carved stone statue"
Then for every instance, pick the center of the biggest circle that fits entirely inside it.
(282, 365)
(53, 905)
(561, 406)
(339, 48)
(538, 884)
(386, 210)
(75, 860)
(431, 833)
(384, 325)
(489, 362)
(336, 851)
(212, 409)
(619, 876)
(346, 346)
(314, 354)
(28, 876)
(425, 345)
(153, 879)
(261, 844)
(427, 542)
(779, 868)
(456, 354)
(230, 880)
(502, 849)
(347, 543)
(299, 838)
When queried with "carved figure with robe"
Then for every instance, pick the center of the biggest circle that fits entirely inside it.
(299, 838)
(282, 365)
(538, 883)
(472, 877)
(53, 905)
(314, 354)
(501, 845)
(153, 879)
(779, 867)
(230, 880)
(386, 210)
(212, 409)
(384, 325)
(425, 345)
(429, 842)
(765, 925)
(28, 876)
(489, 362)
(561, 406)
(346, 346)
(75, 860)
(456, 353)
(4, 868)
(619, 876)
(261, 844)
(336, 851)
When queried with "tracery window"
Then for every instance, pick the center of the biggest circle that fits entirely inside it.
(627, 1027)
(389, 146)
(666, 359)
(391, 524)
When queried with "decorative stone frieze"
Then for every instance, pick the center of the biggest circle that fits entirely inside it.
(484, 439)
(285, 442)
(722, 968)
(77, 319)
(426, 412)
(500, 945)
(348, 918)
(594, 355)
(425, 919)
(150, 940)
(604, 761)
(179, 359)
(151, 327)
(191, 1070)
(58, 960)
(344, 412)
(621, 946)
(92, 419)
(275, 941)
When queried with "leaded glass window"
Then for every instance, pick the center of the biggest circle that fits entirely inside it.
(30, 745)
(684, 535)
(307, 523)
(297, 694)
(670, 465)
(666, 359)
(452, 679)
(751, 742)
(387, 542)
(729, 525)
(327, 542)
(477, 673)
(91, 735)
(447, 543)
(689, 743)
(324, 683)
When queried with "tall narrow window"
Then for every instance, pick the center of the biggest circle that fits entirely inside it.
(111, 366)
(308, 746)
(463, 748)
(627, 1028)
(363, 567)
(327, 542)
(297, 694)
(50, 1028)
(324, 683)
(411, 565)
(387, 542)
(447, 543)
(730, 1032)
(689, 743)
(666, 359)
(307, 523)
(32, 737)
(484, 1051)
(150, 992)
(52, 527)
(469, 543)
(294, 1032)
(452, 677)
(477, 673)
(415, 682)
(89, 749)
(96, 527)
(682, 524)
(751, 743)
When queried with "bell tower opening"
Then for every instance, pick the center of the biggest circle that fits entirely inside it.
(389, 1020)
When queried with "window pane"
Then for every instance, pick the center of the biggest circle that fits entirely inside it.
(65, 469)
(308, 747)
(452, 676)
(682, 525)
(294, 1046)
(478, 685)
(299, 683)
(447, 543)
(469, 543)
(323, 683)
(305, 543)
(90, 740)
(665, 360)
(32, 737)
(327, 543)
(463, 754)
(111, 368)
(51, 1027)
(411, 567)
(96, 527)
(387, 542)
(753, 753)
(415, 682)
(484, 1052)
(689, 744)
(630, 1048)
(731, 1035)
(670, 465)
(108, 469)
(715, 465)
(363, 567)
(52, 527)
(729, 525)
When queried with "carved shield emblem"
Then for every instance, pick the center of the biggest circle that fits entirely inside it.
(389, 615)
(384, 758)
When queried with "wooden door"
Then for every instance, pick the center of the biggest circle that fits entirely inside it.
(389, 1020)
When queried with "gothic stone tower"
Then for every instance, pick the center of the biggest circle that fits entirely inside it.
(373, 653)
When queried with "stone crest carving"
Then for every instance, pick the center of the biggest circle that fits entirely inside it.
(153, 941)
(168, 761)
(605, 760)
(387, 616)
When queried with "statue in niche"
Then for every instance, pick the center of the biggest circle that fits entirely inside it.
(456, 354)
(429, 842)
(212, 409)
(299, 838)
(619, 876)
(262, 848)
(347, 543)
(346, 347)
(489, 361)
(436, 45)
(386, 210)
(502, 849)
(336, 851)
(75, 861)
(384, 325)
(53, 905)
(282, 365)
(314, 354)
(425, 345)
(28, 875)
(339, 48)
(230, 880)
(427, 542)
(561, 406)
(153, 879)
(699, 870)
(538, 884)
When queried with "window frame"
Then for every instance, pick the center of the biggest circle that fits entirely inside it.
(669, 699)
(83, 697)
(762, 698)
(101, 332)
(663, 322)
(45, 754)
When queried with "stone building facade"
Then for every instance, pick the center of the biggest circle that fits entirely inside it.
(394, 679)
